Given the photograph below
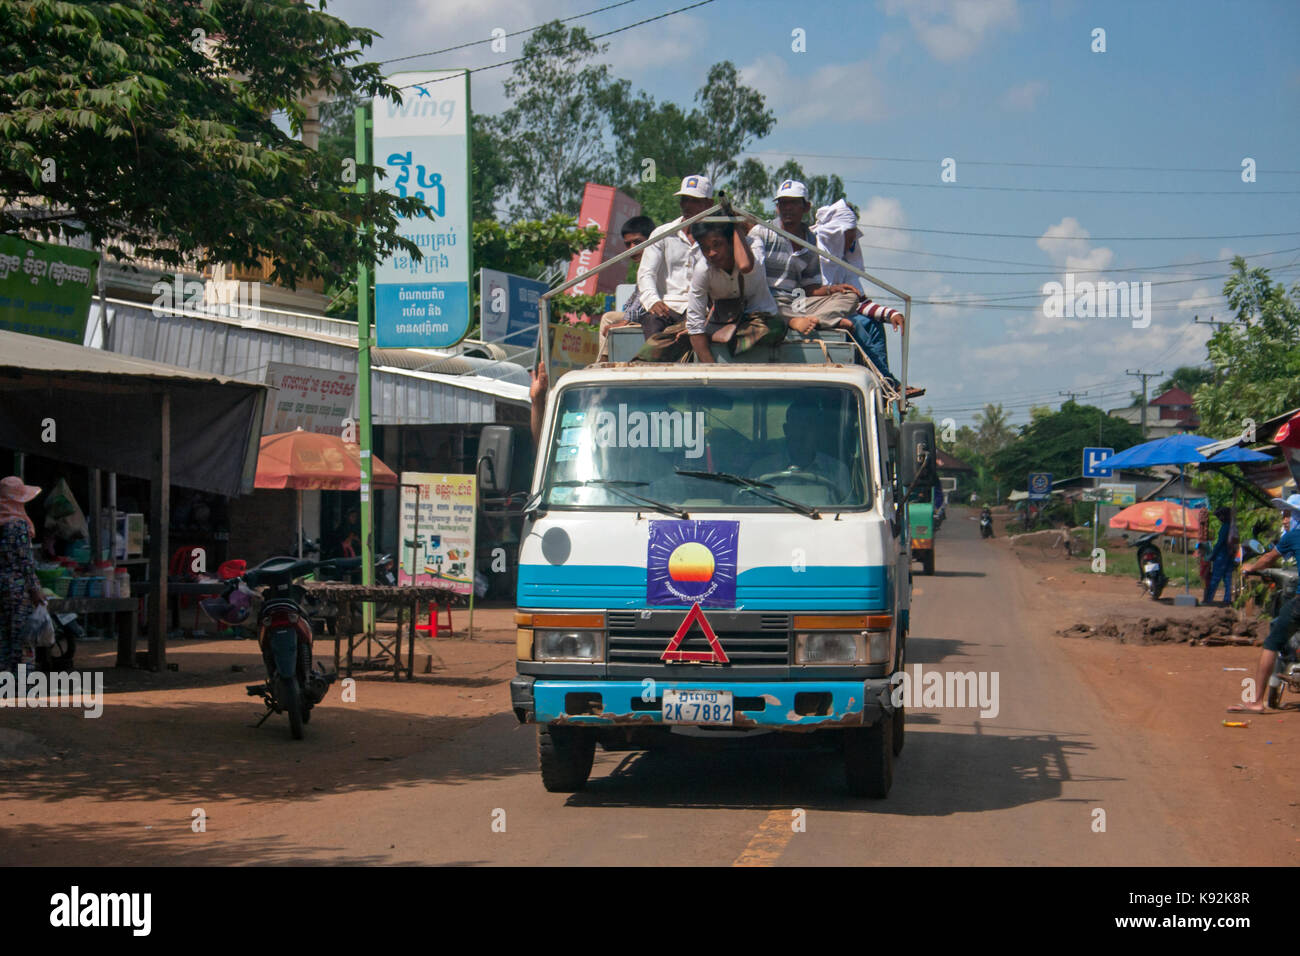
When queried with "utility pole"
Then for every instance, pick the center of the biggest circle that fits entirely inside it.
(1071, 396)
(1144, 376)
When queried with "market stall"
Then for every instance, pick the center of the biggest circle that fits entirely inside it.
(120, 415)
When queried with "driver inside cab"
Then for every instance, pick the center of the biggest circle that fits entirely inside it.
(807, 436)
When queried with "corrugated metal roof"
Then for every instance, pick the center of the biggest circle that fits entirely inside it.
(241, 350)
(32, 353)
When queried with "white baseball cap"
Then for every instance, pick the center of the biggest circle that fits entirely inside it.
(1291, 503)
(792, 189)
(701, 187)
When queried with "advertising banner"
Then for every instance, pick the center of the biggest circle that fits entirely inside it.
(45, 289)
(573, 346)
(315, 400)
(509, 307)
(438, 525)
(692, 562)
(607, 209)
(423, 144)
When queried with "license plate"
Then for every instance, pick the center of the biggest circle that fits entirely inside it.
(1150, 566)
(697, 707)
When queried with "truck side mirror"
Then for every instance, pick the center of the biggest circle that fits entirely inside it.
(917, 465)
(495, 454)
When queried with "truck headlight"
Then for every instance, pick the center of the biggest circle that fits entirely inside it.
(842, 647)
(569, 645)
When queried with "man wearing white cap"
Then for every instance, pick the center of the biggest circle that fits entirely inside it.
(794, 274)
(663, 279)
(1288, 615)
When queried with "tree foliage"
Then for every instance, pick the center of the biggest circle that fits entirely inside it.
(1255, 361)
(148, 125)
(552, 138)
(1054, 442)
(732, 116)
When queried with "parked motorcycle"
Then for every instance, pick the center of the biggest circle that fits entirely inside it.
(294, 683)
(986, 523)
(1151, 566)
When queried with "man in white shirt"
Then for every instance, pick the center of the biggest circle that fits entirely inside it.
(728, 301)
(663, 277)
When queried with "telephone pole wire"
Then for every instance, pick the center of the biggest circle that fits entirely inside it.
(1144, 376)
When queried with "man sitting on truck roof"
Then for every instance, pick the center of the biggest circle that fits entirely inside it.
(794, 274)
(634, 232)
(805, 439)
(728, 301)
(836, 229)
(663, 278)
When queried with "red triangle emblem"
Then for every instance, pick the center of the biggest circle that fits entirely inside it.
(716, 655)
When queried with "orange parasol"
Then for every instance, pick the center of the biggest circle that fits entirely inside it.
(311, 461)
(1164, 517)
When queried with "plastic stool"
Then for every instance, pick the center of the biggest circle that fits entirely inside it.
(435, 625)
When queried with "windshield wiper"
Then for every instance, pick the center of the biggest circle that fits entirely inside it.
(760, 488)
(620, 486)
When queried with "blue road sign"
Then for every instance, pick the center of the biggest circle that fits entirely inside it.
(1094, 462)
(1040, 485)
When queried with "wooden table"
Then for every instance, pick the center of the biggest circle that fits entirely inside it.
(123, 613)
(406, 597)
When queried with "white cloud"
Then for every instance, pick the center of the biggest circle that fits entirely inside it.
(1066, 244)
(1012, 353)
(1023, 98)
(953, 29)
(839, 92)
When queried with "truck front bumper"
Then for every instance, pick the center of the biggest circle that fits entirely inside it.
(787, 705)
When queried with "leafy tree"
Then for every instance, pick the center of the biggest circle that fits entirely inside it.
(733, 115)
(146, 125)
(1255, 362)
(552, 138)
(993, 431)
(1187, 377)
(1055, 442)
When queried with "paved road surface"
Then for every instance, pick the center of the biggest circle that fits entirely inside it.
(1018, 788)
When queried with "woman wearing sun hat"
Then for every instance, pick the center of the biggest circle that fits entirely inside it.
(1288, 615)
(20, 590)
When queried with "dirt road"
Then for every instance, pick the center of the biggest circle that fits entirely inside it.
(439, 772)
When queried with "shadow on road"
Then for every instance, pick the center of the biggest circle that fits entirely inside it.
(959, 574)
(939, 773)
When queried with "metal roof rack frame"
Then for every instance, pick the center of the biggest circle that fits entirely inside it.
(732, 216)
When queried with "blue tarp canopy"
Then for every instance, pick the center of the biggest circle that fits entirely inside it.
(1174, 450)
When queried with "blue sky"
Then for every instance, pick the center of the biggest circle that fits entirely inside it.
(1182, 86)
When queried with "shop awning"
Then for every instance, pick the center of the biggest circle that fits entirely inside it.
(101, 410)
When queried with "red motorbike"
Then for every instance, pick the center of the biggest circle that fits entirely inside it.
(294, 683)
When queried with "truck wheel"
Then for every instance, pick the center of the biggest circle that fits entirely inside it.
(869, 759)
(927, 562)
(900, 718)
(565, 755)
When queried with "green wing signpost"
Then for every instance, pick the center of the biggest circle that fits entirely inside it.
(422, 143)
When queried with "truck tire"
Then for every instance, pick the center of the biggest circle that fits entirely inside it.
(869, 759)
(927, 562)
(565, 755)
(900, 718)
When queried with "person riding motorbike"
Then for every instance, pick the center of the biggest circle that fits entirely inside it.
(1288, 615)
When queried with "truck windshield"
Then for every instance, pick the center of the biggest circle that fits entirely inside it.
(803, 443)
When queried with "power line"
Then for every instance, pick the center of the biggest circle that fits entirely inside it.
(1019, 235)
(1037, 271)
(930, 161)
(1060, 189)
(469, 43)
(594, 36)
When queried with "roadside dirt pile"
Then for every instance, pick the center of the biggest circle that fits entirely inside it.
(1215, 626)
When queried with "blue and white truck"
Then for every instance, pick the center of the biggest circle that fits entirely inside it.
(719, 550)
